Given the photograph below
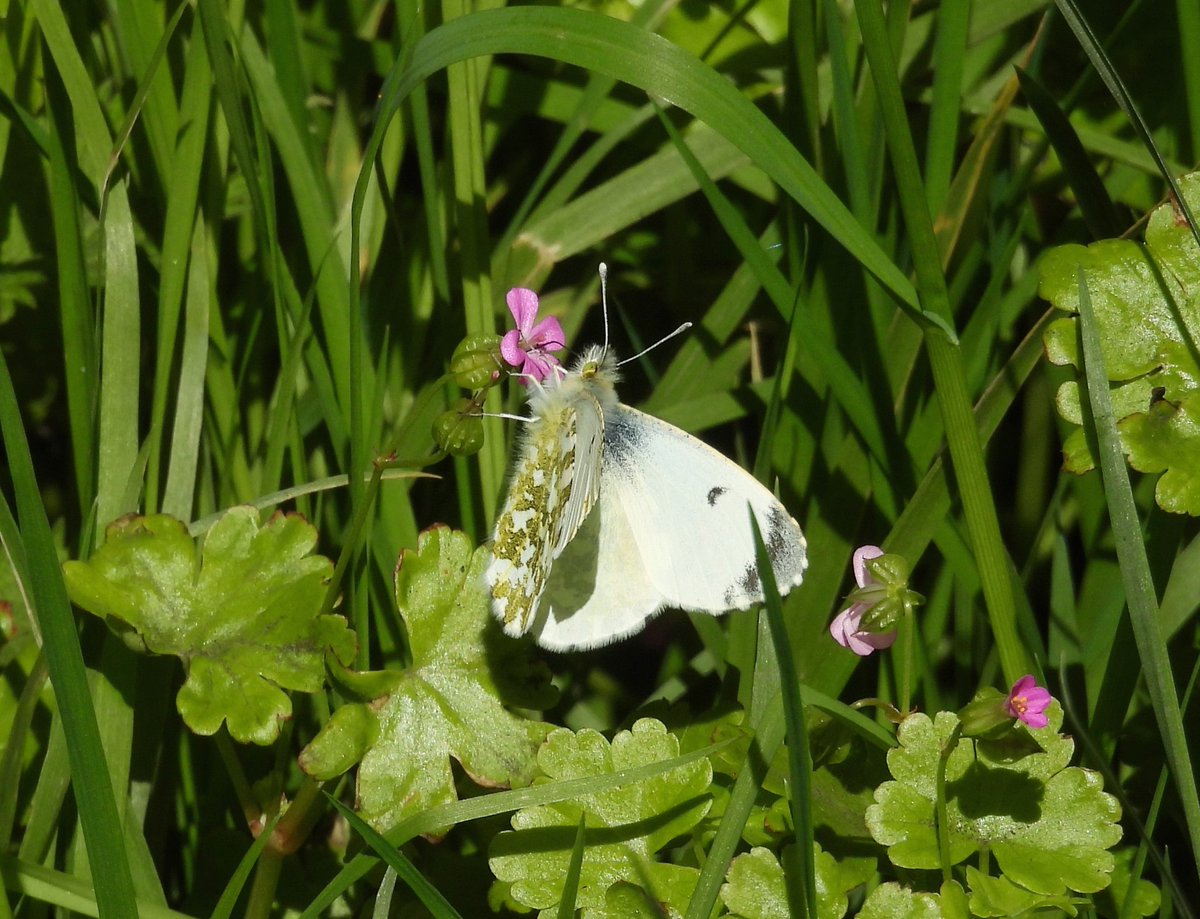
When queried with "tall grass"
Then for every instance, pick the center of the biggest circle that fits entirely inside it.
(241, 242)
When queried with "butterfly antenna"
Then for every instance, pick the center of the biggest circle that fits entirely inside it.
(604, 301)
(663, 340)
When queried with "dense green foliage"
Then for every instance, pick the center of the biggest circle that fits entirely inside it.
(252, 276)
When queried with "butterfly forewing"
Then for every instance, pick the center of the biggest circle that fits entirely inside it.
(553, 488)
(689, 513)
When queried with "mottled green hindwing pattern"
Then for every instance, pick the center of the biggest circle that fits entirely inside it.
(531, 523)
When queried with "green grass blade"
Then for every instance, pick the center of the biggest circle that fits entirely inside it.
(608, 46)
(570, 894)
(121, 358)
(182, 192)
(154, 95)
(949, 50)
(1116, 86)
(237, 879)
(500, 803)
(75, 305)
(179, 494)
(1097, 207)
(1135, 572)
(799, 755)
(767, 722)
(429, 895)
(944, 356)
(470, 192)
(89, 774)
(1188, 16)
(814, 347)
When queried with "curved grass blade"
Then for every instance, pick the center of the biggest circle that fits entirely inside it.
(1095, 204)
(433, 899)
(1116, 86)
(499, 803)
(90, 779)
(617, 49)
(1135, 571)
(799, 755)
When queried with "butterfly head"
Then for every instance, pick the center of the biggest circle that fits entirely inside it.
(597, 363)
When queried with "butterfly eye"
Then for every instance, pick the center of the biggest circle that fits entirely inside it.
(589, 369)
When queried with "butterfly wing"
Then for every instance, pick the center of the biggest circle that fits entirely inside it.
(554, 486)
(670, 528)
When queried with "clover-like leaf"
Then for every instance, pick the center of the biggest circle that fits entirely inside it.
(624, 827)
(448, 704)
(755, 888)
(242, 613)
(1047, 824)
(1146, 298)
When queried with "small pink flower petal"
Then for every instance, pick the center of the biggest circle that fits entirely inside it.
(547, 335)
(510, 348)
(1027, 702)
(539, 365)
(862, 555)
(845, 632)
(523, 304)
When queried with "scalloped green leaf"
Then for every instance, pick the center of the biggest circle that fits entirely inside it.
(241, 612)
(1145, 898)
(755, 887)
(1147, 303)
(892, 901)
(992, 898)
(1166, 439)
(451, 702)
(625, 827)
(628, 901)
(1048, 825)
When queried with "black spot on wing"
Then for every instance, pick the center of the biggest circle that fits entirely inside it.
(714, 493)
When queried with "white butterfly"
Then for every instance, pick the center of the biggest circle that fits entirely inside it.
(613, 515)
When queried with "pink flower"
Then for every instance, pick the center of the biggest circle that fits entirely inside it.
(528, 345)
(1028, 701)
(846, 627)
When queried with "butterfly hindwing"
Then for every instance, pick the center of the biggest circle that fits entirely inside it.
(554, 486)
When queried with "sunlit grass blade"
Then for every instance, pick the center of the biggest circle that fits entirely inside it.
(500, 803)
(570, 893)
(121, 358)
(1099, 760)
(949, 51)
(608, 46)
(767, 723)
(161, 124)
(1140, 597)
(429, 895)
(74, 300)
(799, 755)
(813, 346)
(179, 494)
(92, 784)
(944, 355)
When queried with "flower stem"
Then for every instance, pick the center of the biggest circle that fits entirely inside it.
(943, 818)
(904, 676)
